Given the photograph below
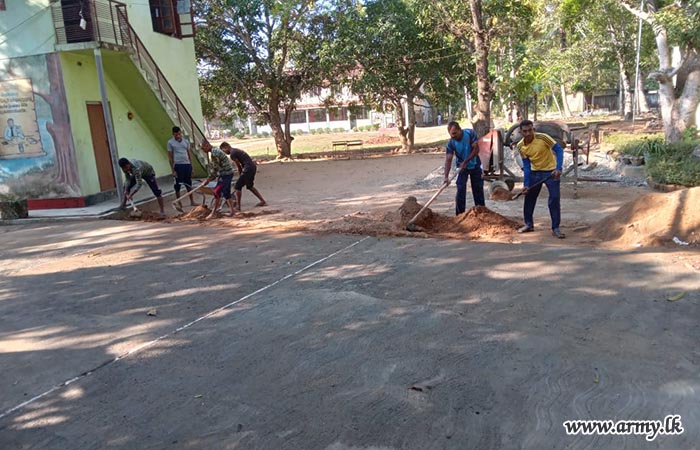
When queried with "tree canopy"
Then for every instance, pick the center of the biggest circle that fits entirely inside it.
(257, 57)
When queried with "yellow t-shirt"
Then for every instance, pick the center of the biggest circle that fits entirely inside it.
(539, 152)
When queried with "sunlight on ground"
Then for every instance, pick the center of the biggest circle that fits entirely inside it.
(40, 418)
(57, 338)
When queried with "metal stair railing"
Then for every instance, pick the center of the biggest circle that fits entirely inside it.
(162, 88)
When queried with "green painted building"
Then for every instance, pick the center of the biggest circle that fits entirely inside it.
(61, 62)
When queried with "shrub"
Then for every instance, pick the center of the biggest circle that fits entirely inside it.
(674, 164)
(641, 147)
(326, 130)
(265, 134)
(375, 127)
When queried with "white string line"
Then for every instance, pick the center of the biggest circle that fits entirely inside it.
(172, 333)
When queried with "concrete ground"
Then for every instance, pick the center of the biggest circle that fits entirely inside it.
(286, 340)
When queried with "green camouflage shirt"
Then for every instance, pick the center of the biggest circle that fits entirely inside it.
(139, 169)
(220, 164)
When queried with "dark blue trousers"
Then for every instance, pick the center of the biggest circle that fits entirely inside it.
(477, 179)
(533, 193)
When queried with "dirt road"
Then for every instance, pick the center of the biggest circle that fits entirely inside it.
(267, 337)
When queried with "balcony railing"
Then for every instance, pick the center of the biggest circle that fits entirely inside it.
(101, 21)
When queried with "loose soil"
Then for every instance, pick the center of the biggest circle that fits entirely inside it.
(372, 196)
(654, 219)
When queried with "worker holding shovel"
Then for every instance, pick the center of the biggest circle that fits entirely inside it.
(136, 172)
(220, 167)
(542, 163)
(463, 143)
(246, 171)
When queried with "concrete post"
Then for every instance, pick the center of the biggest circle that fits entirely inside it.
(111, 138)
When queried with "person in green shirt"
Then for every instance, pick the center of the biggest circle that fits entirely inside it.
(221, 169)
(137, 172)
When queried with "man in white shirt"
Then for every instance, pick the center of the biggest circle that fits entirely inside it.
(179, 156)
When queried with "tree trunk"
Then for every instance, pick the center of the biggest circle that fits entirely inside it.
(401, 125)
(565, 102)
(284, 150)
(679, 101)
(535, 108)
(411, 112)
(482, 124)
(628, 101)
(642, 104)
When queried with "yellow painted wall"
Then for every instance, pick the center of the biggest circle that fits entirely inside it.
(175, 57)
(33, 37)
(133, 137)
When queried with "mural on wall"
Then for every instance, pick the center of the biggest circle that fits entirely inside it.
(37, 156)
(20, 137)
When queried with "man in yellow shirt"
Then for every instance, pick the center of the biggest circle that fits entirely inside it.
(542, 161)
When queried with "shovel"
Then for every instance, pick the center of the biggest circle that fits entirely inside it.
(534, 185)
(411, 226)
(176, 203)
(135, 212)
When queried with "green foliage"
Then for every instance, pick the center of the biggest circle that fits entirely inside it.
(675, 164)
(691, 135)
(258, 56)
(681, 19)
(639, 147)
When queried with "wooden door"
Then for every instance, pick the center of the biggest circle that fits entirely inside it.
(100, 145)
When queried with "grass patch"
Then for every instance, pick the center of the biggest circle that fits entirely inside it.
(621, 141)
(264, 148)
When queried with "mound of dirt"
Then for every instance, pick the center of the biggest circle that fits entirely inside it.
(408, 210)
(477, 222)
(653, 220)
(197, 213)
(501, 194)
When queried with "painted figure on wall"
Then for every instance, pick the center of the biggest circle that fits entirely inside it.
(36, 150)
(20, 138)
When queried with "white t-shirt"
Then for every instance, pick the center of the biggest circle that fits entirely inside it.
(179, 150)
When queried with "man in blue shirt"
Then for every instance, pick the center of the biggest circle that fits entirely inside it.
(463, 144)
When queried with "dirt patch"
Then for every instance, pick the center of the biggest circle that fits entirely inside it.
(478, 222)
(197, 213)
(382, 139)
(146, 216)
(654, 219)
(501, 194)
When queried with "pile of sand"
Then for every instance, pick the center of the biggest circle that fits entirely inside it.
(501, 194)
(654, 219)
(477, 222)
(197, 213)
